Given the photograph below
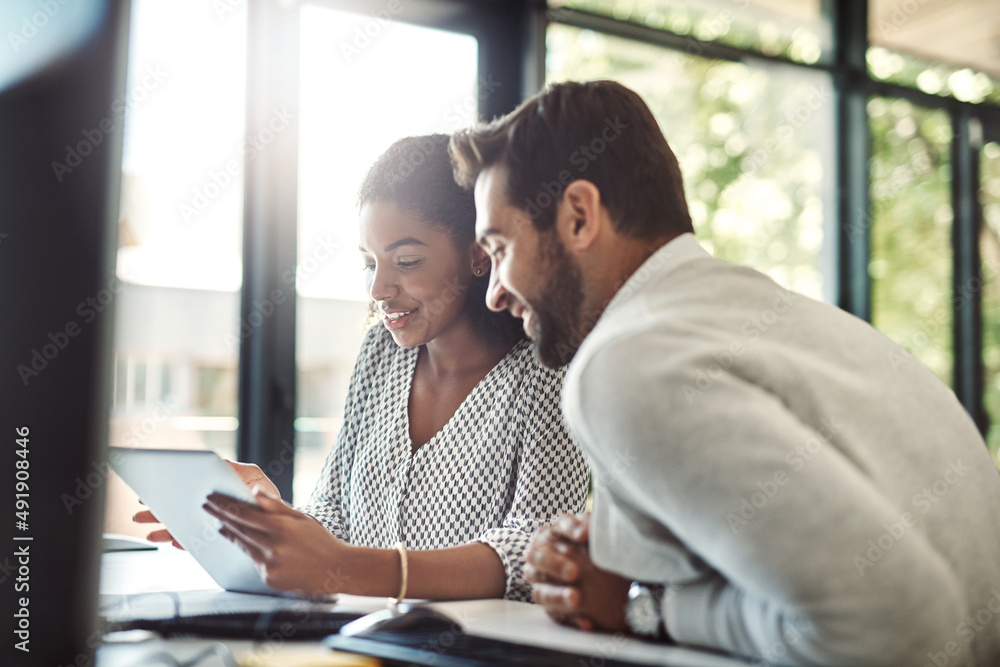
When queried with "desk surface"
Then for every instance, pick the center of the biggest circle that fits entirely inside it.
(125, 575)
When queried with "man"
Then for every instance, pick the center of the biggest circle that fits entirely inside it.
(772, 476)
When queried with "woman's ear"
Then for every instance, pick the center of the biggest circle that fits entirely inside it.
(580, 215)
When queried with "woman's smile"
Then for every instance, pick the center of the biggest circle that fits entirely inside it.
(396, 320)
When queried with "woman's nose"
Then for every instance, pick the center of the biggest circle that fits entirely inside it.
(496, 294)
(382, 284)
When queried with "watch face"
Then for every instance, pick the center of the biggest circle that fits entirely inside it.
(641, 613)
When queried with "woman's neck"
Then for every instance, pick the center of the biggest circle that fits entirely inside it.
(462, 351)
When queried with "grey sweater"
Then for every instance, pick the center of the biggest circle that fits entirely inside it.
(810, 492)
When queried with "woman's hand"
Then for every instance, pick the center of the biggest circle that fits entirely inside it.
(251, 475)
(292, 551)
(161, 535)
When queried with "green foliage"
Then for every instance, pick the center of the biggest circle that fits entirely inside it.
(911, 258)
(962, 83)
(989, 247)
(796, 31)
(748, 141)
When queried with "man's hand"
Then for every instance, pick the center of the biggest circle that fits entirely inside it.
(566, 582)
(250, 474)
(292, 551)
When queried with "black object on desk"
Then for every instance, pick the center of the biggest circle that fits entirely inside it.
(290, 624)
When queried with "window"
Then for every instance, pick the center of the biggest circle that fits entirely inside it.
(752, 143)
(426, 83)
(796, 29)
(870, 216)
(989, 250)
(743, 89)
(179, 260)
(911, 259)
(942, 48)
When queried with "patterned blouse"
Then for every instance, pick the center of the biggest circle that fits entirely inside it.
(502, 466)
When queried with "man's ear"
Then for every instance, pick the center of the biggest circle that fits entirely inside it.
(580, 215)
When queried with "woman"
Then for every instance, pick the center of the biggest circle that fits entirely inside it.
(453, 449)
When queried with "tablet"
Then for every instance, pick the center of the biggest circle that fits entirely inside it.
(174, 484)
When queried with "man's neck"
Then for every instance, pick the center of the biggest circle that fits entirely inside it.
(620, 262)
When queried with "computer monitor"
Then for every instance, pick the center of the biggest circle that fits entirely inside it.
(62, 67)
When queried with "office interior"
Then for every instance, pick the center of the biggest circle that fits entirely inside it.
(184, 178)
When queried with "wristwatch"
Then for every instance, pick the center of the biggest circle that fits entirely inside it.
(642, 613)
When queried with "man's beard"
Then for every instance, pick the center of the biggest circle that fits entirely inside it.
(558, 308)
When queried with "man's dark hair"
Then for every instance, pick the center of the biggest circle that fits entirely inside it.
(415, 174)
(598, 131)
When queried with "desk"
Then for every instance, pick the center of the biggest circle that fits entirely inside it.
(125, 574)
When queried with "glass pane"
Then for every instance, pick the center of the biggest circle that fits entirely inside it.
(946, 48)
(933, 78)
(989, 249)
(753, 145)
(426, 83)
(179, 257)
(795, 29)
(911, 258)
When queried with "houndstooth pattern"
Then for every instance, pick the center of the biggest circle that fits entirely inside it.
(502, 466)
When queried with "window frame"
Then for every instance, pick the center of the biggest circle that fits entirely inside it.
(853, 88)
(267, 370)
(511, 39)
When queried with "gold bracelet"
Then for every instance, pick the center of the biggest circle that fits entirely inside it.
(405, 571)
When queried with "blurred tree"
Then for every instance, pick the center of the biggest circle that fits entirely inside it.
(749, 141)
(989, 249)
(911, 258)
